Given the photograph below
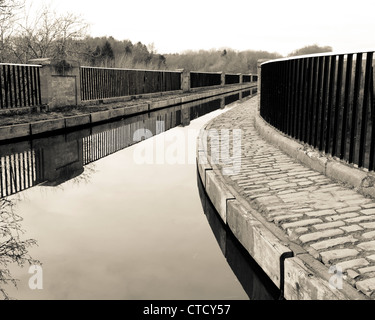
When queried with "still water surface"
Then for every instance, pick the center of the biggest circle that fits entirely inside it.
(111, 224)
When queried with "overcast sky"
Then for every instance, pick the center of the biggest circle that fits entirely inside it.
(275, 26)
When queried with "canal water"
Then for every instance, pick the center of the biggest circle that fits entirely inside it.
(117, 211)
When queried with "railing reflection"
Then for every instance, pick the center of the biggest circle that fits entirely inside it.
(20, 171)
(53, 160)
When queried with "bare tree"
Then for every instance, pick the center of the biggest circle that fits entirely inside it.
(9, 10)
(49, 35)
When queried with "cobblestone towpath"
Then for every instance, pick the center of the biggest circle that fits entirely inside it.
(332, 222)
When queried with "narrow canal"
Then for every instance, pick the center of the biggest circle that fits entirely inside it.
(117, 212)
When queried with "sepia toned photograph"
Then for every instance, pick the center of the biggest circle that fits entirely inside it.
(189, 156)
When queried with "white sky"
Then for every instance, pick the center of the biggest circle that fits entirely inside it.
(276, 26)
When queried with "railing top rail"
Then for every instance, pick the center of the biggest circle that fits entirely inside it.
(20, 65)
(323, 54)
(129, 69)
(209, 72)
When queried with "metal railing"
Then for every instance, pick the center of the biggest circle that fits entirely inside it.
(204, 79)
(232, 78)
(246, 78)
(102, 83)
(20, 85)
(325, 100)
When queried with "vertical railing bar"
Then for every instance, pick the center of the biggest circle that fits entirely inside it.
(330, 103)
(291, 100)
(19, 87)
(372, 108)
(5, 86)
(2, 194)
(318, 104)
(1, 88)
(304, 101)
(365, 109)
(36, 85)
(91, 83)
(313, 100)
(39, 87)
(24, 86)
(309, 73)
(15, 95)
(299, 97)
(345, 120)
(10, 87)
(286, 94)
(338, 106)
(295, 100)
(323, 113)
(32, 85)
(357, 84)
(28, 86)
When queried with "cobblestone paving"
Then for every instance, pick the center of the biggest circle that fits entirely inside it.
(333, 223)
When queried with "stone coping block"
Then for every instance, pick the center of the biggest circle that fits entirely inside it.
(117, 113)
(266, 249)
(203, 166)
(308, 279)
(78, 120)
(14, 131)
(218, 193)
(47, 126)
(100, 116)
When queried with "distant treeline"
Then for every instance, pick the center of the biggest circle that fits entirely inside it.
(310, 50)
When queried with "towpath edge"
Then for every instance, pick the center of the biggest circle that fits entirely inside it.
(115, 110)
(275, 207)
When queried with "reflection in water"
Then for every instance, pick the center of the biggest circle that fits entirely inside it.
(252, 278)
(53, 160)
(12, 248)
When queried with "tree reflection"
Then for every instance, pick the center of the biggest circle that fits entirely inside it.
(13, 250)
(86, 175)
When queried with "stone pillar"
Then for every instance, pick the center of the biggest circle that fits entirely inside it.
(62, 161)
(223, 79)
(185, 117)
(185, 80)
(222, 103)
(59, 81)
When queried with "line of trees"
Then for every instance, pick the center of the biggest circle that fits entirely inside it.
(65, 36)
(310, 50)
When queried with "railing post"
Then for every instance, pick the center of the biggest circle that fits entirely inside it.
(223, 79)
(259, 73)
(59, 82)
